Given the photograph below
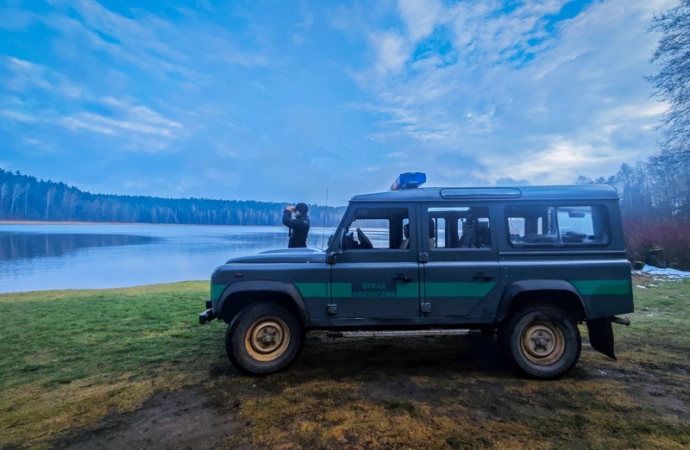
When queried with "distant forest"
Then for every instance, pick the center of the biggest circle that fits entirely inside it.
(24, 197)
(655, 204)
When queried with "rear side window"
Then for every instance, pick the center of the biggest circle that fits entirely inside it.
(464, 227)
(542, 225)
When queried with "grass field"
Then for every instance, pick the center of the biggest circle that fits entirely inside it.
(77, 365)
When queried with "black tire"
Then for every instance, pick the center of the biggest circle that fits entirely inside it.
(540, 341)
(263, 338)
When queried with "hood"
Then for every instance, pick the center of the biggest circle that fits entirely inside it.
(288, 255)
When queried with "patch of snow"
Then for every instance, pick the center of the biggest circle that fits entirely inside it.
(668, 273)
(640, 286)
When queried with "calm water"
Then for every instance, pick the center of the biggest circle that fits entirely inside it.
(39, 257)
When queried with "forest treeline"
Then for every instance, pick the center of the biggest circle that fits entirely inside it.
(655, 205)
(23, 197)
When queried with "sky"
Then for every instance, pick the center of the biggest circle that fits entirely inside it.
(317, 101)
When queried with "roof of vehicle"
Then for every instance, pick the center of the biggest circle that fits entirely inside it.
(522, 193)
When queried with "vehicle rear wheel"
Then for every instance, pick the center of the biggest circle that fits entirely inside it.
(541, 341)
(263, 338)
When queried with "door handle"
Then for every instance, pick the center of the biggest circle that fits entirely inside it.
(479, 276)
(402, 277)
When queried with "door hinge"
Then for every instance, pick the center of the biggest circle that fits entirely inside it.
(426, 308)
(332, 309)
(423, 257)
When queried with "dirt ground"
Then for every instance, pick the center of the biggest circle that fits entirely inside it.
(412, 383)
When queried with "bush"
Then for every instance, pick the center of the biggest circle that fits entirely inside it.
(656, 241)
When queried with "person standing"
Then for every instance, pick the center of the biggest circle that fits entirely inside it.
(299, 225)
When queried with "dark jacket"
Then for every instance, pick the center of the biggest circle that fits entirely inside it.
(299, 229)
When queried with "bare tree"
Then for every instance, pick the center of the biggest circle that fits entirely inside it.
(17, 191)
(27, 188)
(4, 189)
(69, 199)
(672, 83)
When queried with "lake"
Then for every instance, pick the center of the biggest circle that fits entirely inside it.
(85, 256)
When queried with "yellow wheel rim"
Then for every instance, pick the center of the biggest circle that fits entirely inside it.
(267, 339)
(542, 343)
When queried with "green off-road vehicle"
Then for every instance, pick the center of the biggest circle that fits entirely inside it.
(527, 262)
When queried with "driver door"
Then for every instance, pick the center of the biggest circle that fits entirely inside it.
(373, 280)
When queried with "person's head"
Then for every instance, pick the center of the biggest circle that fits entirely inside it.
(301, 209)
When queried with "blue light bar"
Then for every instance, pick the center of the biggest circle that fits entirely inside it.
(408, 180)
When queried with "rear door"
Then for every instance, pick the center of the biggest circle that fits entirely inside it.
(461, 271)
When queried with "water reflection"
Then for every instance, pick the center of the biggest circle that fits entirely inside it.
(37, 245)
(40, 257)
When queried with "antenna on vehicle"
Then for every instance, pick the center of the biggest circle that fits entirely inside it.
(323, 231)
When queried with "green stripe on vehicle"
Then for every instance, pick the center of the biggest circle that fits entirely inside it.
(602, 287)
(408, 290)
(458, 289)
(216, 290)
(313, 290)
(341, 290)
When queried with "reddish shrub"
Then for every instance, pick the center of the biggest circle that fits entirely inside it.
(644, 237)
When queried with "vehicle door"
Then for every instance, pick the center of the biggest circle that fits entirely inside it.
(375, 276)
(461, 269)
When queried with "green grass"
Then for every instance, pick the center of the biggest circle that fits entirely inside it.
(62, 336)
(71, 359)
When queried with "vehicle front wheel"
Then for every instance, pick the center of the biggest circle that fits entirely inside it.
(541, 341)
(263, 338)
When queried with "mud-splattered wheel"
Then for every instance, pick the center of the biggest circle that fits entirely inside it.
(263, 338)
(541, 341)
(267, 339)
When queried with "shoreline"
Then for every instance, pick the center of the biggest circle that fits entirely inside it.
(53, 222)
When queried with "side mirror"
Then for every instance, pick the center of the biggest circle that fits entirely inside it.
(332, 257)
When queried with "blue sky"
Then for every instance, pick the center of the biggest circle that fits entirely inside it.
(284, 100)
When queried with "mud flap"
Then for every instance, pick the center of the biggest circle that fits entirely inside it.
(601, 335)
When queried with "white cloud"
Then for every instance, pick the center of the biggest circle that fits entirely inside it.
(303, 26)
(28, 75)
(392, 50)
(577, 105)
(559, 160)
(74, 124)
(19, 117)
(139, 127)
(473, 91)
(25, 65)
(420, 16)
(148, 115)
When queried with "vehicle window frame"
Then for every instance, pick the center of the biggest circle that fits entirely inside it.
(457, 253)
(559, 243)
(346, 223)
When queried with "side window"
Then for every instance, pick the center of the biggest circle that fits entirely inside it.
(583, 225)
(532, 225)
(378, 229)
(465, 227)
(551, 225)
